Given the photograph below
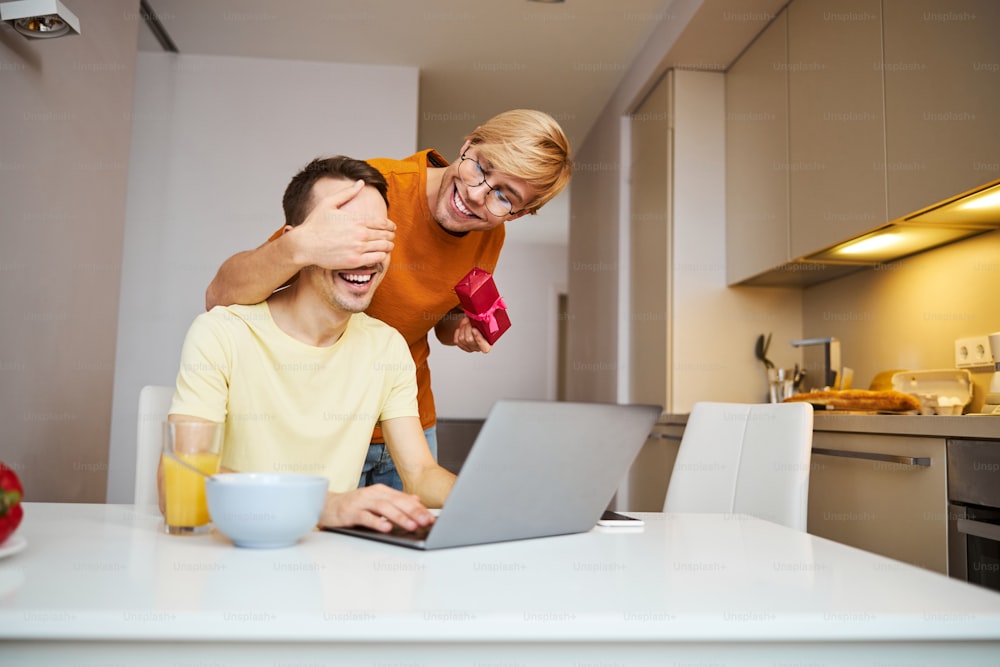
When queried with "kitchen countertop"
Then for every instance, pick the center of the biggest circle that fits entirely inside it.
(965, 426)
(104, 583)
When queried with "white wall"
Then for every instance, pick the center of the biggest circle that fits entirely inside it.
(215, 141)
(65, 106)
(714, 327)
(522, 364)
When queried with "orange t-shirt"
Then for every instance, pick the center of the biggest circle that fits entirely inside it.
(419, 287)
(427, 262)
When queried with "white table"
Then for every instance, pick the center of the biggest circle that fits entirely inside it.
(101, 584)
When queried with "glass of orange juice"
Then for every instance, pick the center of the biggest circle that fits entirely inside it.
(189, 447)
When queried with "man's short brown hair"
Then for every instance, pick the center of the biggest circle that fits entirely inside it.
(297, 201)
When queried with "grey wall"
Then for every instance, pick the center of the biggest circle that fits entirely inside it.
(65, 126)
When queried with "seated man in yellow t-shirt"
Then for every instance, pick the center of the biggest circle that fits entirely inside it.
(301, 379)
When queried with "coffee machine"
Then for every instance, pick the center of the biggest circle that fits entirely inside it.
(991, 405)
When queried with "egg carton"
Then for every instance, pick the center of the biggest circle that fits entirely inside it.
(941, 392)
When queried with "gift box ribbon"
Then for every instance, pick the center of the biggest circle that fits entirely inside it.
(487, 315)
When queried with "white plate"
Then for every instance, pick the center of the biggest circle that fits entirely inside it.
(12, 545)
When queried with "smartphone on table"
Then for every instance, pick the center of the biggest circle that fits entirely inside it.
(614, 519)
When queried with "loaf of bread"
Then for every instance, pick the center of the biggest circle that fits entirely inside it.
(861, 399)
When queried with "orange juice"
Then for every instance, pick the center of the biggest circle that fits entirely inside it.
(184, 489)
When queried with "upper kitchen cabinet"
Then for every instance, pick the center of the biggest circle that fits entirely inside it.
(874, 111)
(757, 156)
(836, 129)
(942, 99)
(787, 173)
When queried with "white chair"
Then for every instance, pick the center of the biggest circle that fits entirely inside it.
(745, 458)
(154, 404)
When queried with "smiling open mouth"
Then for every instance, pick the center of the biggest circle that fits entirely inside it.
(460, 205)
(357, 278)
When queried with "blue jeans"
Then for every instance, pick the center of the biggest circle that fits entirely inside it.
(379, 468)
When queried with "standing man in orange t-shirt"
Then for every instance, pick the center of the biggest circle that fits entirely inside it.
(444, 219)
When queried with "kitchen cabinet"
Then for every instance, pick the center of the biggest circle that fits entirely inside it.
(882, 493)
(799, 133)
(892, 106)
(645, 486)
(757, 156)
(836, 140)
(942, 99)
(649, 231)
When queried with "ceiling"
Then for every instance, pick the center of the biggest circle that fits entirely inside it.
(476, 58)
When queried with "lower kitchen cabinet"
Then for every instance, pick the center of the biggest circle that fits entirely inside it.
(882, 493)
(645, 486)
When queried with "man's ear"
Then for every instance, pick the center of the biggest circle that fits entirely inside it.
(286, 229)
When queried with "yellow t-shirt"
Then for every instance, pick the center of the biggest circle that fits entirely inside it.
(289, 406)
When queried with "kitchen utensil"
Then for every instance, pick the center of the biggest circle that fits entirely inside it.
(762, 346)
(760, 350)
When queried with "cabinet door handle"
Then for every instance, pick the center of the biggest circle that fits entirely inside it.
(987, 531)
(921, 461)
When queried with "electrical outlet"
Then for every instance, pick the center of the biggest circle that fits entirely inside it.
(973, 352)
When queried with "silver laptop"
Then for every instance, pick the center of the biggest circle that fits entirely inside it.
(537, 468)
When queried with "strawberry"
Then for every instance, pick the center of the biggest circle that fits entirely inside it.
(11, 511)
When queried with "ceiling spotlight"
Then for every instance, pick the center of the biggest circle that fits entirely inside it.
(40, 19)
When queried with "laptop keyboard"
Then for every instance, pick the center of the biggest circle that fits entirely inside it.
(419, 534)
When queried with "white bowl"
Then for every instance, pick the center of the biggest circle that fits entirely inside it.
(265, 510)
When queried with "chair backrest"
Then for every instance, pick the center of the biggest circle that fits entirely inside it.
(154, 404)
(745, 458)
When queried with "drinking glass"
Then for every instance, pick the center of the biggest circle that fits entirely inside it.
(191, 452)
(781, 382)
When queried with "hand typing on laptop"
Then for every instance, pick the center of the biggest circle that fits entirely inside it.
(378, 507)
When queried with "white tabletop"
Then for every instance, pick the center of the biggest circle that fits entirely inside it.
(106, 574)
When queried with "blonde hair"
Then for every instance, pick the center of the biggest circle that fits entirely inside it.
(529, 145)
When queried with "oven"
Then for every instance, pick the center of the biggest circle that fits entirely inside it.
(974, 512)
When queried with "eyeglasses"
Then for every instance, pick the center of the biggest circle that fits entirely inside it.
(472, 174)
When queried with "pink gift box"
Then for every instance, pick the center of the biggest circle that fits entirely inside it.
(483, 304)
